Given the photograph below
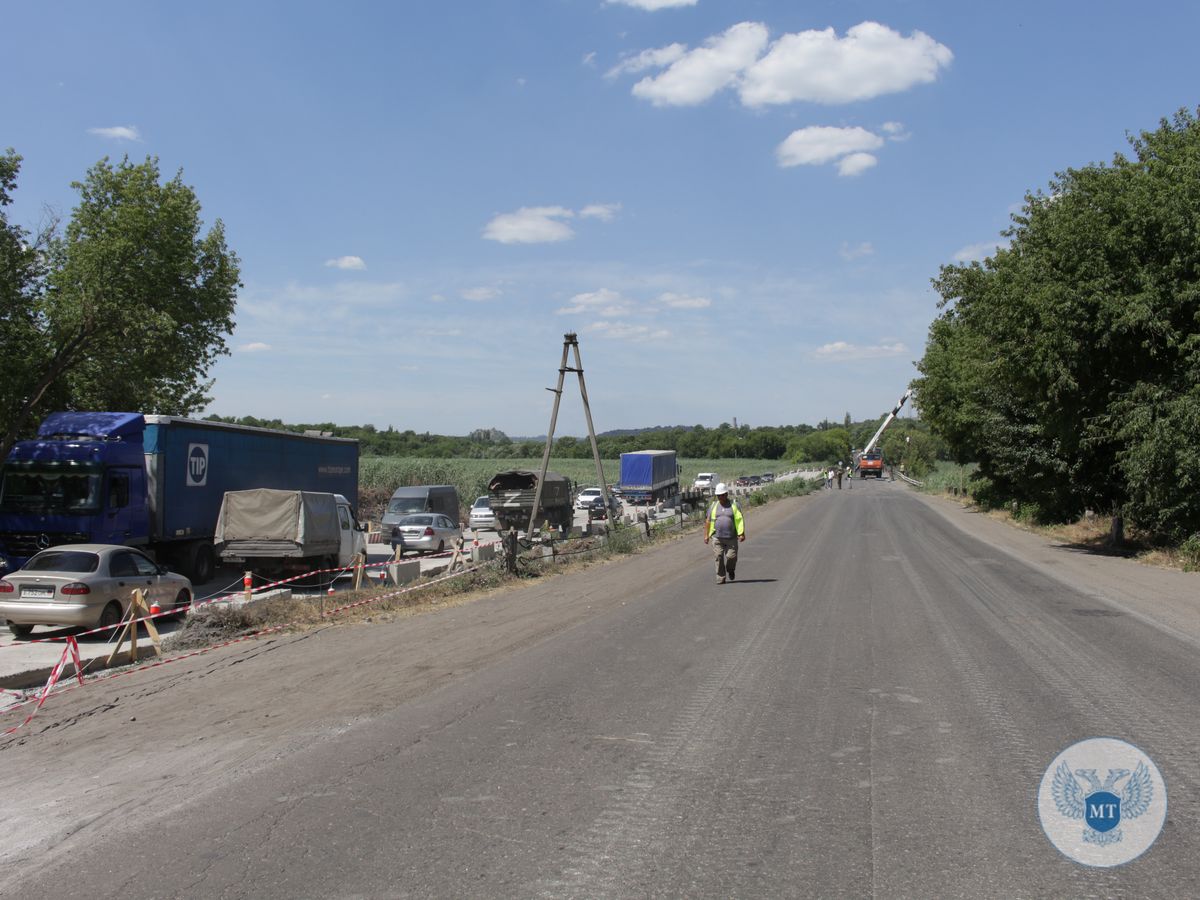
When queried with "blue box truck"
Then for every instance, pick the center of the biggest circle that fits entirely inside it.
(152, 481)
(648, 476)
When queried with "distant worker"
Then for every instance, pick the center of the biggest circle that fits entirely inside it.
(829, 478)
(837, 473)
(849, 477)
(726, 527)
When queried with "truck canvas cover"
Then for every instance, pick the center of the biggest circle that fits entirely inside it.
(299, 523)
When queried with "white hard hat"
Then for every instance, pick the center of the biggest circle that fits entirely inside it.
(720, 488)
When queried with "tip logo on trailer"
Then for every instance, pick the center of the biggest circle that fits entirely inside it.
(197, 465)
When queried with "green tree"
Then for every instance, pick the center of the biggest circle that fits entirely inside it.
(1068, 365)
(22, 269)
(136, 304)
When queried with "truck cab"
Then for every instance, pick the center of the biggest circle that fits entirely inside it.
(82, 480)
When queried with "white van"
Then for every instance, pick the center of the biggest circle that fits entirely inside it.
(705, 481)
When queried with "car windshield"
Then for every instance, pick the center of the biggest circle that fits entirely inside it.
(74, 561)
(416, 520)
(50, 489)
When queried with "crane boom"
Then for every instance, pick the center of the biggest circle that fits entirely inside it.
(887, 421)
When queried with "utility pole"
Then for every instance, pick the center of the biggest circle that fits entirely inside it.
(570, 341)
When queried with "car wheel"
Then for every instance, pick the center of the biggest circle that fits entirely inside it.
(182, 601)
(20, 631)
(441, 547)
(111, 617)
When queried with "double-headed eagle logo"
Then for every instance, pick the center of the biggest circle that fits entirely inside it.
(1100, 807)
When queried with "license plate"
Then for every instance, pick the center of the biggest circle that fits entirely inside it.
(38, 593)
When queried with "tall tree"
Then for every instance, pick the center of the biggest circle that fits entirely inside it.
(1068, 365)
(21, 272)
(136, 304)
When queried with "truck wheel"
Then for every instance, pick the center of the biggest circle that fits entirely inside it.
(201, 565)
(20, 631)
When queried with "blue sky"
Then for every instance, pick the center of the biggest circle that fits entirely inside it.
(738, 206)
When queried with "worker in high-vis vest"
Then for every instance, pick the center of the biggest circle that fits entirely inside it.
(726, 528)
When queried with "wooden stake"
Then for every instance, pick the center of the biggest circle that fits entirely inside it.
(137, 610)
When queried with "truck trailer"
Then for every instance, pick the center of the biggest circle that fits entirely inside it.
(151, 481)
(648, 476)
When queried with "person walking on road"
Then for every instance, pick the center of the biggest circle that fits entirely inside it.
(837, 473)
(726, 528)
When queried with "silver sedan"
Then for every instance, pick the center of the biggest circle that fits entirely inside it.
(424, 532)
(88, 585)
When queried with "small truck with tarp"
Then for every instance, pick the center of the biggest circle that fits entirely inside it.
(287, 532)
(151, 481)
(513, 493)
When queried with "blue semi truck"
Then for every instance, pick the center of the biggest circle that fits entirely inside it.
(152, 481)
(648, 476)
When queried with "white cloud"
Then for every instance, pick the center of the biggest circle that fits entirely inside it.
(254, 347)
(850, 253)
(605, 212)
(699, 74)
(973, 252)
(648, 59)
(118, 133)
(895, 131)
(856, 163)
(680, 301)
(841, 351)
(480, 294)
(589, 59)
(809, 66)
(625, 331)
(603, 302)
(652, 5)
(819, 67)
(819, 144)
(531, 225)
(346, 262)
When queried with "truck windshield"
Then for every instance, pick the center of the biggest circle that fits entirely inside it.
(53, 489)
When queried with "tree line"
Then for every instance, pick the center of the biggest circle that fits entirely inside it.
(906, 439)
(1068, 364)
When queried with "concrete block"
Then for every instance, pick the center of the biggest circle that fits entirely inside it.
(483, 553)
(404, 572)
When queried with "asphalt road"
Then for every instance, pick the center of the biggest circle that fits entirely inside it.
(866, 712)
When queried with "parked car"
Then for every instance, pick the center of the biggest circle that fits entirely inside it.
(596, 508)
(424, 533)
(742, 481)
(88, 585)
(755, 479)
(482, 518)
(768, 477)
(585, 498)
